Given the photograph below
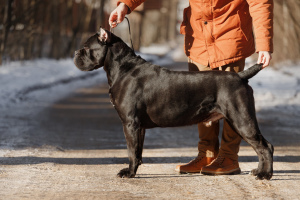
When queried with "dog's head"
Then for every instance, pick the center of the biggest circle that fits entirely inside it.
(93, 53)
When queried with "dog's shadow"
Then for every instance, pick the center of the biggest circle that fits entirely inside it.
(279, 175)
(28, 160)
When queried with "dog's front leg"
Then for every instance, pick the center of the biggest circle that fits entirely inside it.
(135, 139)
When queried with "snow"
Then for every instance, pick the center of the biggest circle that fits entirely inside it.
(274, 87)
(21, 77)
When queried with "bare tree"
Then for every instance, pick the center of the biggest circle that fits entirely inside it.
(54, 28)
(286, 30)
(6, 26)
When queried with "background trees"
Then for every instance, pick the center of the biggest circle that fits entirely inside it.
(54, 28)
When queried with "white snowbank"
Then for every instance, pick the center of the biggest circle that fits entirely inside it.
(277, 87)
(18, 78)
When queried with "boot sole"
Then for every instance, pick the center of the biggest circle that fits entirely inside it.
(187, 172)
(181, 172)
(231, 172)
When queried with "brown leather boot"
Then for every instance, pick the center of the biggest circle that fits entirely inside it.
(222, 166)
(195, 165)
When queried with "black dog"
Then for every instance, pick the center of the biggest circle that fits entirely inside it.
(147, 96)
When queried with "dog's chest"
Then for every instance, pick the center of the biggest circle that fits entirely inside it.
(111, 98)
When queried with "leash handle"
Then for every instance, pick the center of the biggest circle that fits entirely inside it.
(130, 33)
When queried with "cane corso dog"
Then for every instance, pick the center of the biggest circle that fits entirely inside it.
(147, 96)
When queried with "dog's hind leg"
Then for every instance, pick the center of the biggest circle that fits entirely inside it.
(135, 140)
(265, 167)
(252, 135)
(243, 119)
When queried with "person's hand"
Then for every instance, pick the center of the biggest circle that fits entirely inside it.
(264, 57)
(118, 15)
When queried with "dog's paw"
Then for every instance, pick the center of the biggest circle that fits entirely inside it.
(261, 175)
(264, 175)
(268, 176)
(125, 173)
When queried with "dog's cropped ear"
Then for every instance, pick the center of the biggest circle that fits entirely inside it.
(103, 36)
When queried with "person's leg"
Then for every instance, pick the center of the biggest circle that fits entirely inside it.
(208, 145)
(227, 160)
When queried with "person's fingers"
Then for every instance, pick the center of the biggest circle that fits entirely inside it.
(117, 15)
(260, 57)
(113, 17)
(267, 60)
(264, 57)
(264, 61)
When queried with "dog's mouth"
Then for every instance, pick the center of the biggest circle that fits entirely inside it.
(96, 67)
(83, 63)
(78, 60)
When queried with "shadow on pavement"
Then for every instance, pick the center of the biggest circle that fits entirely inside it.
(27, 160)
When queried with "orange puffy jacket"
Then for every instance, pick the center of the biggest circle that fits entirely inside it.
(219, 32)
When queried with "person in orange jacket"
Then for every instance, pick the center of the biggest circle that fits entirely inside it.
(218, 36)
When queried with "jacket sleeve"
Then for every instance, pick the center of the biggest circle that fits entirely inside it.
(132, 4)
(261, 12)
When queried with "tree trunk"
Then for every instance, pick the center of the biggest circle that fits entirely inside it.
(101, 14)
(55, 47)
(76, 26)
(40, 38)
(31, 29)
(7, 25)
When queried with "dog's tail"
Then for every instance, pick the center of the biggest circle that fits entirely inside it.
(249, 73)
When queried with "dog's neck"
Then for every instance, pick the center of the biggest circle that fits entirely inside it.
(117, 60)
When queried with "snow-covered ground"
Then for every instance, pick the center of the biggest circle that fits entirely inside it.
(278, 86)
(274, 87)
(17, 79)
